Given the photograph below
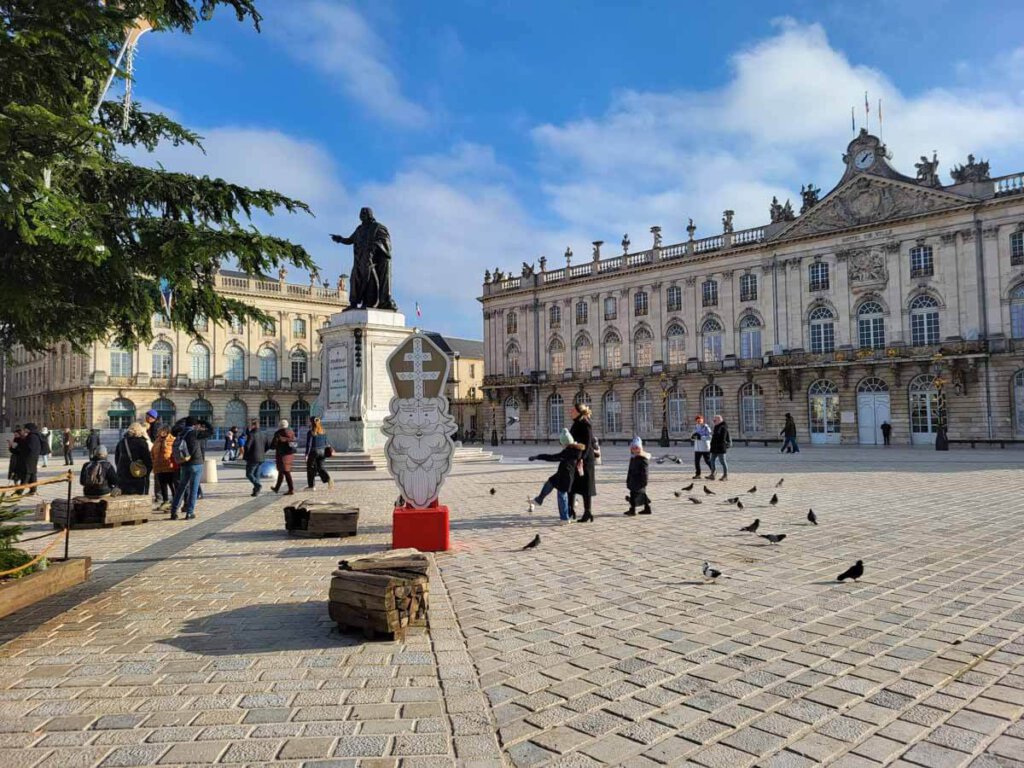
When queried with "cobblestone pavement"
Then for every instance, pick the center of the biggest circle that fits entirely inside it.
(209, 641)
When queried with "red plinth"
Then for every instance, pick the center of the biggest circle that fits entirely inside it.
(423, 529)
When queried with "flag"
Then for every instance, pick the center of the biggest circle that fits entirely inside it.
(419, 312)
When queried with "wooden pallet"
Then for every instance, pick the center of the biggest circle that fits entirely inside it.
(94, 526)
(384, 593)
(106, 512)
(316, 519)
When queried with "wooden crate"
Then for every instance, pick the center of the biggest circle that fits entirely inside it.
(316, 519)
(384, 593)
(106, 512)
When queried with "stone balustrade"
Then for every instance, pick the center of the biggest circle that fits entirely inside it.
(1009, 185)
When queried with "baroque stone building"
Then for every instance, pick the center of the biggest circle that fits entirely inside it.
(233, 373)
(890, 298)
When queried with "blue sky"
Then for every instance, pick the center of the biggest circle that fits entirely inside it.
(490, 132)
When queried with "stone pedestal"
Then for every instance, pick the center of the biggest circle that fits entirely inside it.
(355, 389)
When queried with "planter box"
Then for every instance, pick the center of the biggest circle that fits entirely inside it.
(20, 593)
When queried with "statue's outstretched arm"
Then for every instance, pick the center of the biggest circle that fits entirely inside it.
(344, 240)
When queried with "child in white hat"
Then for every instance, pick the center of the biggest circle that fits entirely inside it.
(636, 478)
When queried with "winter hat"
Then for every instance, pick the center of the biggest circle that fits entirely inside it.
(636, 442)
(564, 438)
(152, 413)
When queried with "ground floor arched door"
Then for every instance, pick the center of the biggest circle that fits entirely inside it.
(873, 408)
(823, 407)
(924, 410)
(512, 423)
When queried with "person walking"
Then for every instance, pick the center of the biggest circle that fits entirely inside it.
(134, 461)
(98, 477)
(68, 445)
(165, 469)
(789, 436)
(188, 454)
(92, 442)
(255, 450)
(285, 446)
(701, 437)
(585, 482)
(316, 451)
(30, 449)
(721, 441)
(637, 477)
(16, 467)
(45, 448)
(230, 445)
(886, 432)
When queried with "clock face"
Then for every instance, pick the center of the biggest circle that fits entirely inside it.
(864, 159)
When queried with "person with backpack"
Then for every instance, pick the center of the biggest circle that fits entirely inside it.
(98, 477)
(316, 451)
(255, 450)
(721, 441)
(134, 461)
(188, 454)
(285, 447)
(164, 467)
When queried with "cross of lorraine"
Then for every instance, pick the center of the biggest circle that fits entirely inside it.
(418, 368)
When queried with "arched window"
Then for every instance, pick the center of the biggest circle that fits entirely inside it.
(120, 362)
(556, 356)
(556, 414)
(236, 414)
(709, 293)
(924, 409)
(234, 357)
(511, 323)
(163, 360)
(823, 330)
(1017, 312)
(268, 365)
(612, 350)
(711, 340)
(555, 316)
(270, 414)
(1018, 402)
(582, 312)
(677, 412)
(640, 303)
(165, 410)
(201, 409)
(817, 276)
(584, 353)
(711, 401)
(674, 299)
(512, 360)
(643, 347)
(676, 342)
(750, 337)
(199, 362)
(748, 287)
(823, 411)
(612, 407)
(582, 398)
(643, 421)
(751, 409)
(924, 321)
(871, 325)
(300, 365)
(299, 414)
(121, 413)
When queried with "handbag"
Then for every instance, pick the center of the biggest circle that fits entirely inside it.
(137, 468)
(328, 451)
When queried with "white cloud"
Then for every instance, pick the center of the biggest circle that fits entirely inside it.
(336, 39)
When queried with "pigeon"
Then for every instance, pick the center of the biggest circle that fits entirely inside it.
(708, 491)
(675, 459)
(752, 528)
(677, 494)
(400, 501)
(492, 491)
(689, 487)
(752, 490)
(513, 420)
(733, 500)
(781, 481)
(739, 504)
(774, 538)
(854, 572)
(811, 517)
(660, 460)
(533, 544)
(709, 572)
(694, 500)
(774, 499)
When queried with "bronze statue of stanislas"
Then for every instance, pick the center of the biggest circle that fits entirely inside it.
(370, 286)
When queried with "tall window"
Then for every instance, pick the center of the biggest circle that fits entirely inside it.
(235, 359)
(120, 362)
(925, 410)
(201, 409)
(924, 321)
(199, 362)
(1017, 312)
(611, 308)
(921, 261)
(817, 276)
(511, 323)
(1017, 249)
(556, 356)
(709, 293)
(299, 413)
(165, 410)
(270, 414)
(750, 337)
(643, 422)
(298, 328)
(711, 340)
(268, 365)
(1018, 402)
(556, 414)
(612, 350)
(584, 353)
(871, 325)
(677, 412)
(236, 414)
(582, 312)
(512, 360)
(748, 287)
(612, 407)
(674, 298)
(676, 343)
(163, 360)
(711, 400)
(300, 365)
(554, 316)
(751, 409)
(640, 303)
(643, 347)
(823, 330)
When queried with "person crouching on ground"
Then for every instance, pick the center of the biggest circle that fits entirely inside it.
(636, 478)
(701, 438)
(98, 478)
(721, 441)
(563, 478)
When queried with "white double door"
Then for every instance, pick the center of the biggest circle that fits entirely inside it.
(872, 410)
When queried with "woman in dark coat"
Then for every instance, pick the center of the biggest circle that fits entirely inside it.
(133, 447)
(284, 444)
(584, 485)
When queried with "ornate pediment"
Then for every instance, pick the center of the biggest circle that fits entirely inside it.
(868, 199)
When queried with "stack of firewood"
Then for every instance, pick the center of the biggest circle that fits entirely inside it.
(386, 592)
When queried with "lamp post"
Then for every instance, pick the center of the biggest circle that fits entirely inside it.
(941, 437)
(455, 382)
(665, 385)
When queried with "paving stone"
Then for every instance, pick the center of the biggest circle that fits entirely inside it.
(361, 746)
(203, 752)
(136, 754)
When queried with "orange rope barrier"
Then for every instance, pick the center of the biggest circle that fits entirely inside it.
(65, 478)
(36, 559)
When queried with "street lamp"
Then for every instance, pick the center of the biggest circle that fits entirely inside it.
(455, 381)
(941, 437)
(665, 385)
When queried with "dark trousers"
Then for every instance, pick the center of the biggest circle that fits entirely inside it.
(586, 504)
(697, 456)
(284, 476)
(315, 468)
(69, 460)
(885, 437)
(166, 485)
(252, 474)
(639, 498)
